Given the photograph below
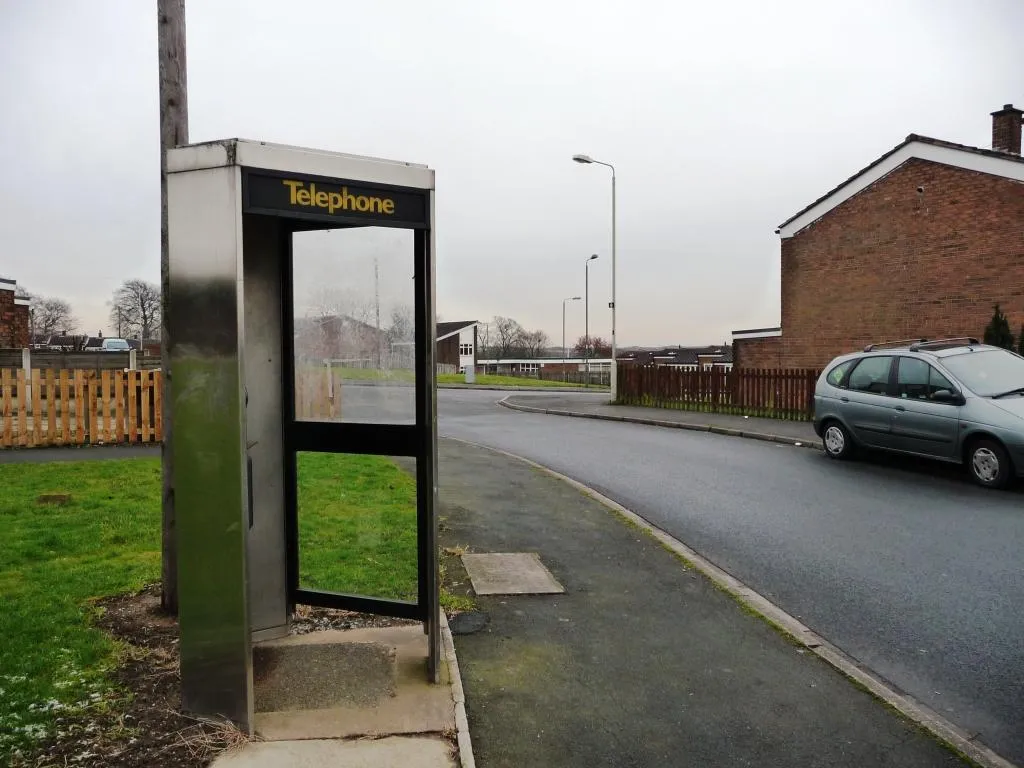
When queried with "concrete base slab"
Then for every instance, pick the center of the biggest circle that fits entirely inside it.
(415, 706)
(393, 752)
(516, 573)
(315, 676)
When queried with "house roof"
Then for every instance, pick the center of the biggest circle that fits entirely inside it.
(445, 330)
(989, 161)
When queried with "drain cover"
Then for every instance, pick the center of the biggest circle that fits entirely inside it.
(467, 623)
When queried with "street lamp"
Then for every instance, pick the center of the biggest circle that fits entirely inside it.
(571, 298)
(586, 314)
(586, 159)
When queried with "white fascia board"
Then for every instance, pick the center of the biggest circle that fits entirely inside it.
(300, 160)
(755, 335)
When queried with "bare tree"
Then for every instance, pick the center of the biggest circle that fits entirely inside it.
(402, 328)
(508, 337)
(135, 309)
(533, 343)
(48, 316)
(484, 340)
(598, 347)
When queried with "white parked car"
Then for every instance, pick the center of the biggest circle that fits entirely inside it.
(115, 345)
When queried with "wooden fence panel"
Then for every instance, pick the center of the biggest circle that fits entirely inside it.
(106, 405)
(158, 408)
(51, 409)
(132, 420)
(119, 393)
(65, 409)
(22, 408)
(36, 437)
(79, 409)
(781, 393)
(90, 395)
(146, 378)
(7, 403)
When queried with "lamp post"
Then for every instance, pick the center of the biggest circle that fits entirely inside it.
(571, 298)
(586, 159)
(586, 314)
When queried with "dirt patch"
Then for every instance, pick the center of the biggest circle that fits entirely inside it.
(141, 725)
(309, 619)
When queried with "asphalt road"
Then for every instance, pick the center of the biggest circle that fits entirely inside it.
(907, 567)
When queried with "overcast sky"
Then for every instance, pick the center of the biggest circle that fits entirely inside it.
(722, 119)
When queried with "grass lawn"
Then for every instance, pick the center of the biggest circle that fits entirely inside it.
(505, 381)
(357, 525)
(364, 374)
(105, 540)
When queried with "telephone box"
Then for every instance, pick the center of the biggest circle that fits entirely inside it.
(284, 356)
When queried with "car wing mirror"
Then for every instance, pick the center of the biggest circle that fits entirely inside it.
(948, 396)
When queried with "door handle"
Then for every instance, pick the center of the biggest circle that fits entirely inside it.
(845, 399)
(900, 408)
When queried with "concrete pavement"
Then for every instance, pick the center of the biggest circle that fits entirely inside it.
(598, 407)
(643, 661)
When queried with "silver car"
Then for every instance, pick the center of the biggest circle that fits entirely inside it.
(955, 400)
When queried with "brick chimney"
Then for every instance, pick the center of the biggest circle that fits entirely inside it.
(1006, 124)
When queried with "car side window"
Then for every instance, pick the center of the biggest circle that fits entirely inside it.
(871, 375)
(937, 381)
(912, 379)
(917, 380)
(835, 376)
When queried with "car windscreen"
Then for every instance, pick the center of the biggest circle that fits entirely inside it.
(987, 373)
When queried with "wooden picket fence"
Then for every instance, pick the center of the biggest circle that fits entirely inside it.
(778, 394)
(79, 407)
(318, 394)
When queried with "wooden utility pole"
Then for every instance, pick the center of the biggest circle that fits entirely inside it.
(173, 131)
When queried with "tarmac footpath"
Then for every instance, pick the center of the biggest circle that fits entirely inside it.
(643, 661)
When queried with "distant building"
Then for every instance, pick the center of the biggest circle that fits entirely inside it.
(14, 316)
(922, 243)
(456, 344)
(714, 357)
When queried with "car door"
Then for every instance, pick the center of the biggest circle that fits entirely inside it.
(921, 424)
(867, 404)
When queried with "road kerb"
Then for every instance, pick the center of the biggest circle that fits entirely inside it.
(690, 426)
(466, 759)
(906, 705)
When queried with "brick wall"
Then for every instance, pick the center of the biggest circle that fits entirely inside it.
(895, 263)
(448, 351)
(757, 353)
(13, 321)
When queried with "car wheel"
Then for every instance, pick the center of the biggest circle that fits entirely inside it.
(836, 441)
(989, 464)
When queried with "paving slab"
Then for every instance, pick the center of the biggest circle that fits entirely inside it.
(510, 573)
(316, 676)
(404, 703)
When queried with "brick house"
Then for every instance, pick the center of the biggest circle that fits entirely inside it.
(919, 244)
(14, 319)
